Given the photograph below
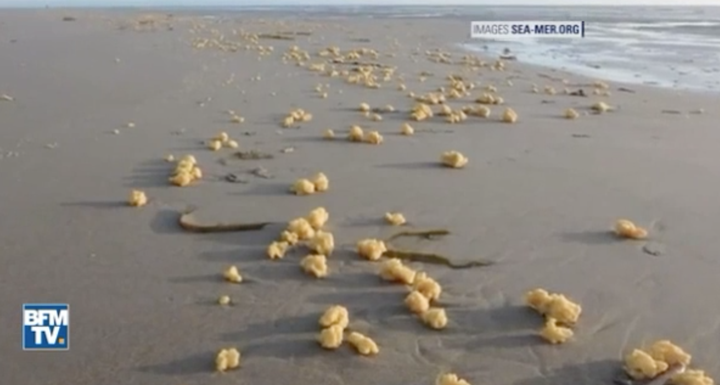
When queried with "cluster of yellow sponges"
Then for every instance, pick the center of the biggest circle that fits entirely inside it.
(227, 359)
(369, 112)
(450, 379)
(295, 116)
(334, 323)
(309, 231)
(431, 98)
(646, 364)
(452, 116)
(489, 98)
(560, 314)
(357, 134)
(221, 140)
(423, 290)
(480, 111)
(186, 171)
(235, 118)
(423, 110)
(304, 186)
(420, 112)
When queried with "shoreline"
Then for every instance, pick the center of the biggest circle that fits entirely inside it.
(620, 76)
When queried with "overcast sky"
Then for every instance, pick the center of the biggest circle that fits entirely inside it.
(59, 3)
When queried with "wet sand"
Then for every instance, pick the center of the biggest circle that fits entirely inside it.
(538, 197)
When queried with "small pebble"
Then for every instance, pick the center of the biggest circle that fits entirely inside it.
(654, 248)
(234, 178)
(261, 172)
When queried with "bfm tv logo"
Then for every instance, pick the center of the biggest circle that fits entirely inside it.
(46, 326)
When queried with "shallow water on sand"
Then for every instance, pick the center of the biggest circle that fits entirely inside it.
(673, 47)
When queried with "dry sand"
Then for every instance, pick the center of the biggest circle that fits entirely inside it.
(538, 197)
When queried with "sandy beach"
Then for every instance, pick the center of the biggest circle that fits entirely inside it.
(97, 100)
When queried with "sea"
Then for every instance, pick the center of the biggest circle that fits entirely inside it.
(665, 46)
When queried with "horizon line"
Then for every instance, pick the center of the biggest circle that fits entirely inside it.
(349, 4)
